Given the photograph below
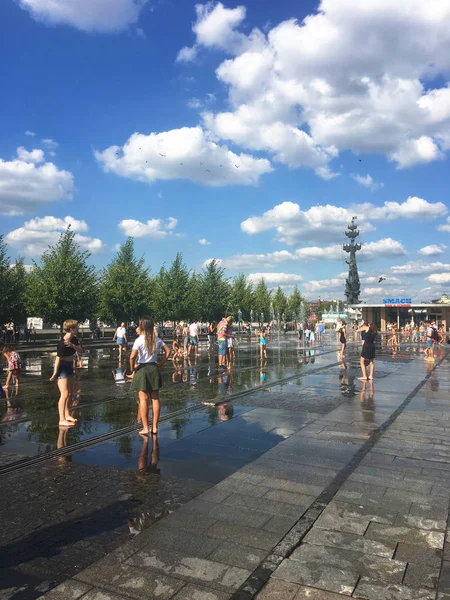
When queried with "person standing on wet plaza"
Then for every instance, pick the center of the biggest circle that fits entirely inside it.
(185, 335)
(193, 338)
(14, 366)
(432, 337)
(144, 366)
(63, 370)
(121, 336)
(343, 338)
(212, 331)
(222, 336)
(262, 343)
(368, 350)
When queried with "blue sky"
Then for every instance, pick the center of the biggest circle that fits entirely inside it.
(247, 132)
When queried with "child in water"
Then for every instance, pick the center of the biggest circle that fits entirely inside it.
(262, 343)
(14, 365)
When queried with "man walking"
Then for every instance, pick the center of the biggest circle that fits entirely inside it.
(193, 338)
(431, 337)
(222, 336)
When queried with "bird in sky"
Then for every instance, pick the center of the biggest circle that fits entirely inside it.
(201, 164)
(237, 166)
(208, 171)
(380, 279)
(220, 165)
(163, 155)
(359, 160)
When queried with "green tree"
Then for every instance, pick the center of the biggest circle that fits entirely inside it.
(214, 290)
(241, 296)
(124, 292)
(279, 302)
(262, 299)
(294, 303)
(63, 286)
(172, 291)
(12, 286)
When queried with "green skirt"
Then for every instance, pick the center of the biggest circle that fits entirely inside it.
(147, 378)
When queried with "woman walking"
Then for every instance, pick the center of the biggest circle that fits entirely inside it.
(144, 366)
(343, 338)
(121, 337)
(63, 370)
(368, 350)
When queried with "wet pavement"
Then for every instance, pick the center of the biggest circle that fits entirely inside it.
(290, 478)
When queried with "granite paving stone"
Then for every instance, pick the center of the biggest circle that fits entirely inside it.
(378, 590)
(317, 575)
(127, 580)
(196, 592)
(422, 575)
(418, 555)
(257, 538)
(376, 567)
(262, 504)
(238, 555)
(250, 518)
(349, 541)
(420, 522)
(419, 537)
(280, 525)
(276, 589)
(192, 568)
(68, 590)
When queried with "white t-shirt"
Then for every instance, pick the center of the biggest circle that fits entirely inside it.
(193, 329)
(144, 355)
(121, 332)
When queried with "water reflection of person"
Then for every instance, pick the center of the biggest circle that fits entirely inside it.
(225, 411)
(62, 443)
(367, 403)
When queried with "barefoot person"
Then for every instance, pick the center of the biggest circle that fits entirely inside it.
(343, 338)
(121, 336)
(63, 370)
(368, 350)
(14, 366)
(146, 377)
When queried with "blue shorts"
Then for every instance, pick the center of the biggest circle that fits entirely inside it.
(121, 341)
(65, 369)
(429, 343)
(193, 341)
(222, 348)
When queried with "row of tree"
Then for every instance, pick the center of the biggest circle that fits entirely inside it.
(63, 285)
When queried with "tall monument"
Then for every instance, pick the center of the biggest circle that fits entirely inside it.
(352, 286)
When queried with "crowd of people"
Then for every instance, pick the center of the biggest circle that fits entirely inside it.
(149, 353)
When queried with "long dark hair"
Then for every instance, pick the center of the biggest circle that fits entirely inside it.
(147, 329)
(373, 329)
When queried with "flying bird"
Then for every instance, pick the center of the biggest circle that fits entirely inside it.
(163, 155)
(380, 279)
(220, 165)
(208, 171)
(237, 166)
(359, 160)
(201, 164)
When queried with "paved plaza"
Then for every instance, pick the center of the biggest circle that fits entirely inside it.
(281, 481)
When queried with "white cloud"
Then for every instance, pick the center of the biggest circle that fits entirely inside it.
(100, 15)
(433, 250)
(382, 248)
(35, 156)
(194, 103)
(25, 185)
(30, 133)
(445, 227)
(36, 235)
(141, 33)
(367, 181)
(187, 54)
(204, 242)
(334, 284)
(327, 223)
(342, 79)
(49, 143)
(153, 228)
(186, 153)
(275, 278)
(420, 267)
(439, 278)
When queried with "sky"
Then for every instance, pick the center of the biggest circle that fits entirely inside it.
(247, 132)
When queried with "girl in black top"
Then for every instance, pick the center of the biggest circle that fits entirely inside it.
(368, 350)
(343, 338)
(63, 371)
(212, 331)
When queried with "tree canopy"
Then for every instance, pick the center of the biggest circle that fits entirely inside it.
(12, 288)
(63, 286)
(125, 290)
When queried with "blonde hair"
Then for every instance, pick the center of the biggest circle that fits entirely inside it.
(69, 324)
(122, 324)
(147, 329)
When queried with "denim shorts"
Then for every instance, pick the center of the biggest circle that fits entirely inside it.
(120, 341)
(222, 348)
(429, 343)
(65, 369)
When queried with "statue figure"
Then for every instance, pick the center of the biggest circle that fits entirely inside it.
(352, 285)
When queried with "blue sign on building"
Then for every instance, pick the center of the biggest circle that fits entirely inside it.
(397, 301)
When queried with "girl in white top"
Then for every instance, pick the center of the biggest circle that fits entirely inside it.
(144, 366)
(121, 337)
